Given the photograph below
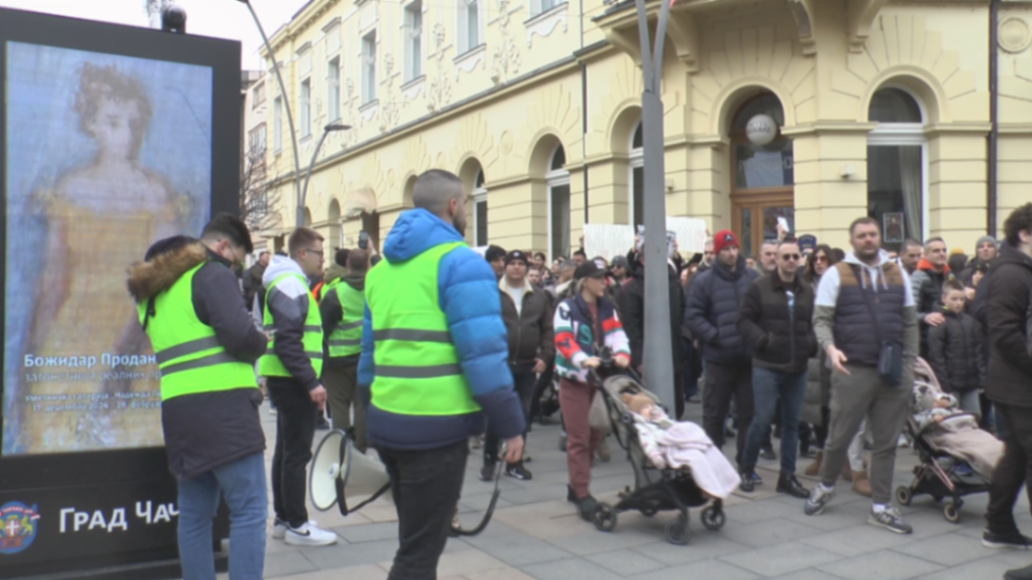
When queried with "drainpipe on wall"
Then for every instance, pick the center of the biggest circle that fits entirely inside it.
(584, 117)
(994, 122)
(584, 134)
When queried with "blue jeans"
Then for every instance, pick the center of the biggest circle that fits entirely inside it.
(242, 483)
(768, 385)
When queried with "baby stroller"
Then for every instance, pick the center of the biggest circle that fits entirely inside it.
(938, 473)
(655, 489)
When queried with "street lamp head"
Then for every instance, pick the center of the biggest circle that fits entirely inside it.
(336, 127)
(243, 1)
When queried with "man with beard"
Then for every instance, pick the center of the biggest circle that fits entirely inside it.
(862, 303)
(714, 297)
(433, 363)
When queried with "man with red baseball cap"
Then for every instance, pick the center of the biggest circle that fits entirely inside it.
(713, 301)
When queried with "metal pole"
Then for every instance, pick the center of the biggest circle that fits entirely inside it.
(300, 213)
(992, 142)
(658, 356)
(308, 174)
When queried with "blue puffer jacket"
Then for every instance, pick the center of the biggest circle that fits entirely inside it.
(468, 295)
(713, 301)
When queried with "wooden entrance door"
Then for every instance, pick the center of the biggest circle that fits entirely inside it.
(755, 218)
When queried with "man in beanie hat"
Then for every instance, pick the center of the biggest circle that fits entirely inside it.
(985, 253)
(713, 302)
(527, 313)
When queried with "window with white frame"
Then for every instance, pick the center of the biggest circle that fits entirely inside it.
(277, 125)
(558, 179)
(480, 211)
(636, 170)
(413, 40)
(469, 25)
(369, 67)
(333, 89)
(542, 6)
(305, 104)
(896, 167)
(256, 143)
(258, 95)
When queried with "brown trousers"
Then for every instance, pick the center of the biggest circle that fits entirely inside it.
(342, 395)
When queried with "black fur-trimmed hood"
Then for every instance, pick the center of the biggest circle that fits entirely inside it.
(165, 262)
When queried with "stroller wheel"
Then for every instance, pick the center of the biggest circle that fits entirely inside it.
(903, 495)
(713, 519)
(605, 517)
(952, 513)
(676, 531)
(648, 511)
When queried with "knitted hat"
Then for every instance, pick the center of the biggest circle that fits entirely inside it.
(985, 239)
(516, 256)
(636, 403)
(723, 239)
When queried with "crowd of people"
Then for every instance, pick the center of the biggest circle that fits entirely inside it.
(812, 345)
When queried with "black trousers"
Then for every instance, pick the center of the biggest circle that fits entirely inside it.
(426, 486)
(295, 430)
(1013, 470)
(722, 383)
(525, 384)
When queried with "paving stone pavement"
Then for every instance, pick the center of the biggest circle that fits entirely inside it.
(535, 534)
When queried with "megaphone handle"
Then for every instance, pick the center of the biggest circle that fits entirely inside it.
(491, 505)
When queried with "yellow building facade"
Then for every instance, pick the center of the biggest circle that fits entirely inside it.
(882, 108)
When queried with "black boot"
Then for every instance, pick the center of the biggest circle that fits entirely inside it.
(790, 485)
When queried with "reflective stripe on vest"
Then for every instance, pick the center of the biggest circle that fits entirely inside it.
(190, 357)
(270, 365)
(346, 337)
(417, 369)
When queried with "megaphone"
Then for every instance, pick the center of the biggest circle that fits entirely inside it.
(341, 474)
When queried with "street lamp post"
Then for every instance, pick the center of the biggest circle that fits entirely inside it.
(300, 213)
(331, 128)
(658, 350)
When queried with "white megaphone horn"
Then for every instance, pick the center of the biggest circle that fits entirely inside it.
(340, 474)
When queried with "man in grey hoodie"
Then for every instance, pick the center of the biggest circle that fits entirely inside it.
(861, 303)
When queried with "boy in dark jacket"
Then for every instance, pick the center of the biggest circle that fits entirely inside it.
(955, 349)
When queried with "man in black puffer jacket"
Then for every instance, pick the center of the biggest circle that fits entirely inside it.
(776, 319)
(713, 302)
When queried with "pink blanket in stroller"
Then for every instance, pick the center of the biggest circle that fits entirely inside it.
(685, 444)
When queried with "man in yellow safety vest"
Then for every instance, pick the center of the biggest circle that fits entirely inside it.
(434, 351)
(292, 366)
(205, 344)
(341, 308)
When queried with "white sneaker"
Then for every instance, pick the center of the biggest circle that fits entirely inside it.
(279, 529)
(309, 535)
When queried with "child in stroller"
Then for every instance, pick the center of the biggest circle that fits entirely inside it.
(957, 458)
(657, 485)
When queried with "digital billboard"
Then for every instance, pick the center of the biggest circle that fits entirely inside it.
(106, 154)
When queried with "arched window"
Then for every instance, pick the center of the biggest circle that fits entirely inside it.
(308, 217)
(896, 177)
(762, 176)
(480, 211)
(558, 179)
(636, 161)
